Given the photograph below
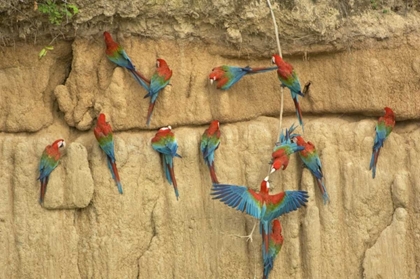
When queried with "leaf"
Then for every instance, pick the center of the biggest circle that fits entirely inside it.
(49, 47)
(42, 53)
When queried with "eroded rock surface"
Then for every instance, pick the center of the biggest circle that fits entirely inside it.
(88, 230)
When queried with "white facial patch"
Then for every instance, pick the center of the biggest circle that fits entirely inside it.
(157, 63)
(61, 144)
(273, 60)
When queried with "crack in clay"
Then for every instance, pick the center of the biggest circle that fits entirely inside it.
(379, 235)
(154, 233)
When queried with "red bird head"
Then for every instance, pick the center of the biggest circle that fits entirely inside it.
(214, 125)
(276, 59)
(276, 227)
(160, 63)
(101, 119)
(108, 38)
(299, 140)
(389, 112)
(216, 74)
(59, 144)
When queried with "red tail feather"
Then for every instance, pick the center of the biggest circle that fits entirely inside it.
(172, 173)
(115, 170)
(297, 106)
(149, 112)
(143, 77)
(43, 190)
(213, 174)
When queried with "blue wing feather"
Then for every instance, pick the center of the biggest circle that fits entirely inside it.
(237, 197)
(292, 201)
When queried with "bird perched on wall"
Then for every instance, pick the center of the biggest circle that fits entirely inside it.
(289, 79)
(165, 143)
(49, 161)
(210, 141)
(226, 76)
(275, 242)
(384, 127)
(282, 151)
(160, 80)
(116, 54)
(104, 136)
(260, 205)
(311, 160)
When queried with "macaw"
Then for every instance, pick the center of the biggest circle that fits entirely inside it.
(165, 143)
(226, 76)
(159, 80)
(310, 158)
(383, 129)
(282, 137)
(281, 152)
(49, 161)
(116, 54)
(289, 79)
(104, 136)
(210, 141)
(260, 205)
(274, 247)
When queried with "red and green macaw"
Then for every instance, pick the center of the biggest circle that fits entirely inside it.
(384, 127)
(311, 160)
(49, 161)
(274, 247)
(226, 76)
(165, 143)
(115, 53)
(104, 136)
(282, 151)
(260, 205)
(160, 79)
(210, 141)
(289, 79)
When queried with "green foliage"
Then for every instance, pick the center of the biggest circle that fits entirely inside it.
(44, 51)
(374, 4)
(56, 12)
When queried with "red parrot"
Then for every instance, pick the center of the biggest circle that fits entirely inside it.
(159, 81)
(210, 141)
(103, 133)
(260, 205)
(289, 79)
(115, 53)
(383, 129)
(310, 158)
(276, 242)
(49, 161)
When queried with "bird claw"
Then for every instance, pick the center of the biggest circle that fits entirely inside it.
(249, 236)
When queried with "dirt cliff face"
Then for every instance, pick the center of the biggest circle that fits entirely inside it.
(359, 59)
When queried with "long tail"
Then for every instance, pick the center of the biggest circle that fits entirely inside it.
(168, 166)
(265, 228)
(172, 174)
(149, 113)
(140, 79)
(213, 176)
(260, 69)
(44, 183)
(114, 172)
(323, 190)
(374, 161)
(298, 111)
